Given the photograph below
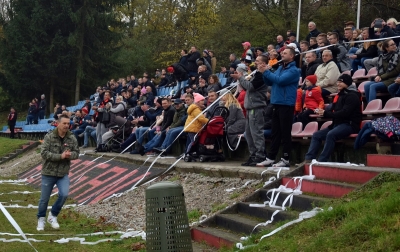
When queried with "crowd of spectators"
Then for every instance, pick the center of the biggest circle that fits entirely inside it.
(270, 89)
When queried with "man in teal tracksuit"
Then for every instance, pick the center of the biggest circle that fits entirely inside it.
(284, 82)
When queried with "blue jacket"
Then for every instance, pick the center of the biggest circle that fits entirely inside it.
(284, 82)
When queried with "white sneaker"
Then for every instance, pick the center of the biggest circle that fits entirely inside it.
(267, 162)
(41, 223)
(53, 221)
(282, 163)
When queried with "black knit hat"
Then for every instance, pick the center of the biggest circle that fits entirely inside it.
(346, 79)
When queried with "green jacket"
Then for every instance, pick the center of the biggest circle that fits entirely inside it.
(179, 118)
(52, 148)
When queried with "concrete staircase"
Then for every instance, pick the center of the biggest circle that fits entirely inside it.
(24, 148)
(331, 181)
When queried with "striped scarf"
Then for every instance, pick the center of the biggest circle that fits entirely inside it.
(392, 58)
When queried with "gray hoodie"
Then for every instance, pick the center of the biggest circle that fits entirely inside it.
(256, 91)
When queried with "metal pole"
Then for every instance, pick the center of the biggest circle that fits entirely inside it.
(358, 13)
(298, 22)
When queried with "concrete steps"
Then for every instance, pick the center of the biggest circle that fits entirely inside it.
(26, 147)
(387, 161)
(331, 181)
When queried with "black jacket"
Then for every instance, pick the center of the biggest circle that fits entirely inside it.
(313, 33)
(183, 60)
(153, 88)
(180, 72)
(150, 116)
(168, 117)
(310, 68)
(42, 105)
(346, 108)
(12, 118)
(192, 65)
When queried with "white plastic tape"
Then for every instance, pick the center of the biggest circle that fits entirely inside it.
(15, 224)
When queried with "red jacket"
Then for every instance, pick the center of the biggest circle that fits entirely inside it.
(312, 100)
(240, 99)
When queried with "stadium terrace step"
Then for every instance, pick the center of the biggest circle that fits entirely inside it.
(348, 174)
(320, 187)
(263, 213)
(214, 237)
(300, 202)
(385, 161)
(238, 223)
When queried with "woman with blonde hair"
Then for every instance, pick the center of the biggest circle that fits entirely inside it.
(235, 123)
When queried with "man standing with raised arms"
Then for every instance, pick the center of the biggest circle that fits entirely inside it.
(284, 82)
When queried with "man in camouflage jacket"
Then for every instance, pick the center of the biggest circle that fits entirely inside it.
(58, 149)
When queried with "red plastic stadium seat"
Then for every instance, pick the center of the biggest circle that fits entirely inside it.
(361, 87)
(360, 73)
(325, 125)
(372, 73)
(296, 128)
(373, 107)
(309, 130)
(347, 72)
(391, 106)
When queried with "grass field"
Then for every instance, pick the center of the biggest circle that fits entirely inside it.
(71, 224)
(364, 220)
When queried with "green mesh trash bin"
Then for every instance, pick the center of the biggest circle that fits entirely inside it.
(167, 225)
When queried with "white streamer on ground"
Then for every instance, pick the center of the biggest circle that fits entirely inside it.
(243, 186)
(15, 225)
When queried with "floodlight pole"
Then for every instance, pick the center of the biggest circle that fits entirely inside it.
(298, 21)
(358, 13)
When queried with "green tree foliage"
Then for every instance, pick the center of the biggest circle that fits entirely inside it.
(54, 46)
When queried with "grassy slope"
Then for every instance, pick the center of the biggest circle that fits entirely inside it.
(8, 145)
(71, 224)
(365, 220)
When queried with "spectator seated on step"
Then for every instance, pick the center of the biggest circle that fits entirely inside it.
(177, 124)
(236, 122)
(346, 119)
(195, 120)
(157, 134)
(146, 121)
